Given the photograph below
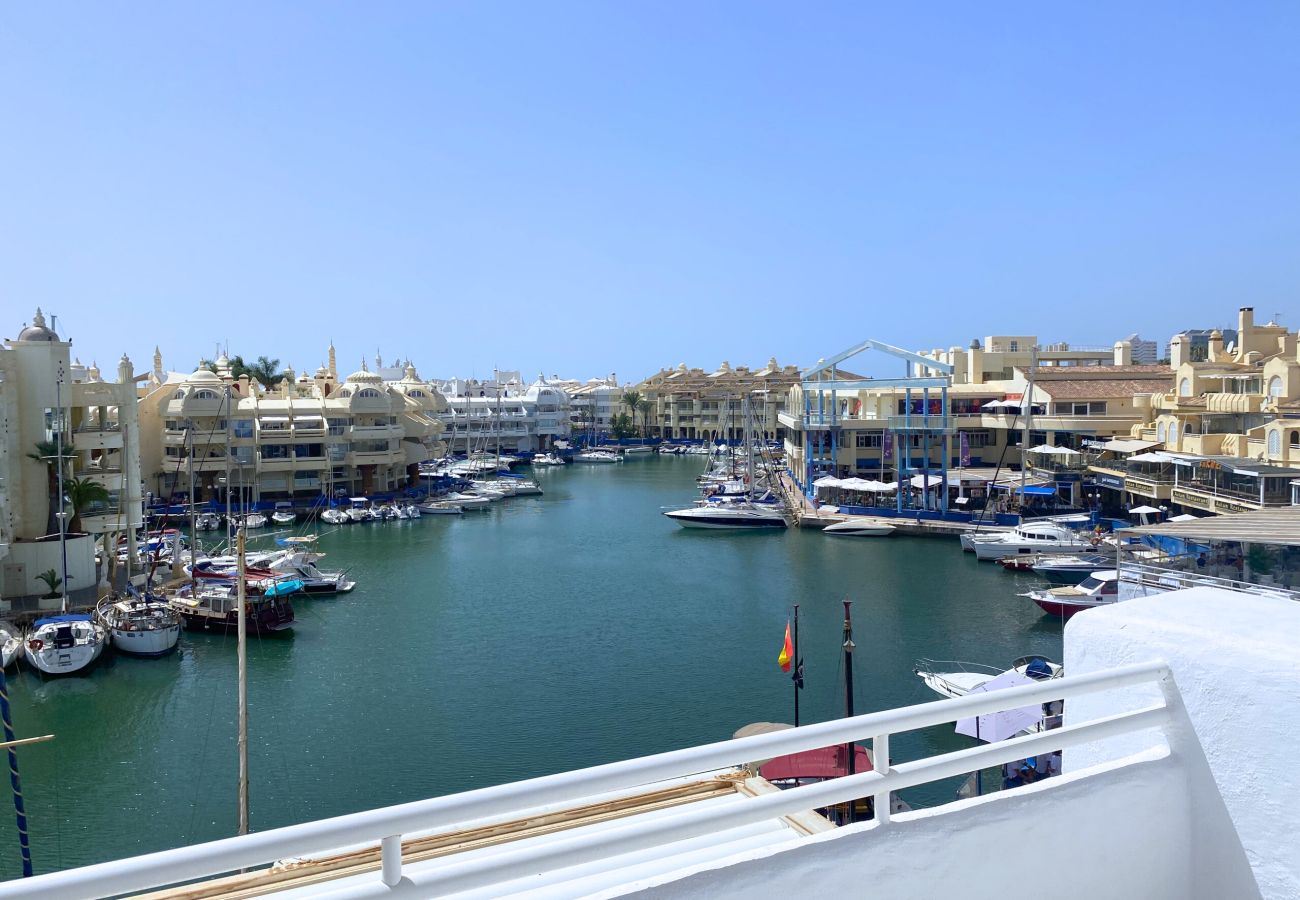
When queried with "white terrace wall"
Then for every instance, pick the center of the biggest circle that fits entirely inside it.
(1119, 834)
(1235, 660)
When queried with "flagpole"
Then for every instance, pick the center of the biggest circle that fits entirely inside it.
(797, 665)
(849, 748)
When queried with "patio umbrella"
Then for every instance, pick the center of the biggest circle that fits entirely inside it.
(827, 481)
(998, 726)
(1143, 510)
(1185, 517)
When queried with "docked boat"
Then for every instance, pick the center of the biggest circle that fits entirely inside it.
(1028, 538)
(284, 514)
(598, 456)
(254, 520)
(468, 501)
(215, 608)
(62, 644)
(140, 625)
(359, 509)
(439, 508)
(11, 644)
(335, 517)
(860, 527)
(638, 449)
(1072, 569)
(208, 521)
(1098, 589)
(729, 515)
(546, 459)
(524, 487)
(302, 567)
(953, 678)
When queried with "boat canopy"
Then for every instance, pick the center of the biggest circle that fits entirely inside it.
(283, 588)
(66, 617)
(1032, 490)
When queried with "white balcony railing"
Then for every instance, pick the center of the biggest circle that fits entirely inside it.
(385, 827)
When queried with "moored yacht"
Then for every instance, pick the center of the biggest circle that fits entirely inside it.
(11, 644)
(741, 515)
(62, 644)
(140, 625)
(598, 456)
(860, 527)
(1030, 537)
(1098, 589)
(952, 678)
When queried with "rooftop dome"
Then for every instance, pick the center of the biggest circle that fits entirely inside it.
(365, 376)
(204, 376)
(37, 330)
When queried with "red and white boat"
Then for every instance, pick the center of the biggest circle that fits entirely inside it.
(1098, 589)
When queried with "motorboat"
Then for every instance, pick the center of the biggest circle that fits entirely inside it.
(598, 456)
(208, 521)
(638, 449)
(255, 520)
(468, 501)
(730, 515)
(1098, 589)
(503, 486)
(62, 644)
(1071, 569)
(546, 459)
(953, 678)
(284, 514)
(1027, 538)
(359, 509)
(335, 517)
(302, 567)
(141, 625)
(11, 644)
(214, 607)
(523, 487)
(860, 527)
(439, 508)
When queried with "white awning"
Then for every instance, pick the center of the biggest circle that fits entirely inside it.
(919, 481)
(994, 404)
(1049, 450)
(827, 481)
(1144, 510)
(1185, 517)
(1129, 446)
(1149, 458)
(273, 418)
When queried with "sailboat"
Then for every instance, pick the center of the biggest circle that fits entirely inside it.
(743, 513)
(140, 624)
(68, 642)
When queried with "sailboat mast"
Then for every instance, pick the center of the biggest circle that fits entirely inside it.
(194, 527)
(241, 621)
(58, 461)
(850, 749)
(746, 412)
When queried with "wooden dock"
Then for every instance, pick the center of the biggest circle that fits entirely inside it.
(811, 516)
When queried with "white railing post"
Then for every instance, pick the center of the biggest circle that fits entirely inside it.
(390, 856)
(880, 763)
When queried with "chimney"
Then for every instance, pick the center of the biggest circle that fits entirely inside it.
(1214, 351)
(1178, 351)
(1123, 353)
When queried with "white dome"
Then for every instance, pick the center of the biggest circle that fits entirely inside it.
(204, 376)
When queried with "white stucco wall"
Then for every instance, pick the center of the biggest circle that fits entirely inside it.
(1234, 657)
(1118, 834)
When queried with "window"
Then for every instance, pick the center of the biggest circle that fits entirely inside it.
(368, 394)
(205, 395)
(1275, 442)
(977, 439)
(417, 394)
(1275, 387)
(1162, 432)
(243, 428)
(868, 439)
(1014, 347)
(1185, 387)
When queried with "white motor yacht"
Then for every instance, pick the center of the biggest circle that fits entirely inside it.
(468, 501)
(255, 520)
(951, 678)
(859, 527)
(335, 517)
(1029, 537)
(598, 456)
(59, 645)
(1098, 589)
(731, 515)
(359, 509)
(208, 521)
(546, 459)
(284, 514)
(439, 508)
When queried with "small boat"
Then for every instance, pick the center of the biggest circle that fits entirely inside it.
(140, 625)
(62, 644)
(638, 449)
(468, 501)
(860, 527)
(255, 520)
(11, 644)
(1098, 589)
(359, 509)
(523, 487)
(598, 456)
(208, 521)
(284, 514)
(1030, 538)
(730, 515)
(1070, 569)
(439, 508)
(951, 678)
(546, 459)
(215, 608)
(335, 517)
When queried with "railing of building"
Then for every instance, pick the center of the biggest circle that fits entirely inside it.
(385, 827)
(1160, 579)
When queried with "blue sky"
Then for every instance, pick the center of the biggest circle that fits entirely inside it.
(591, 187)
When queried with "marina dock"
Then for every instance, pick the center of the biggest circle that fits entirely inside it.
(811, 516)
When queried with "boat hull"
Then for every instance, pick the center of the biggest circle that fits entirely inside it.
(859, 529)
(151, 643)
(686, 519)
(55, 661)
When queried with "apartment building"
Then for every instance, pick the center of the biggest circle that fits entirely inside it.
(699, 405)
(49, 400)
(305, 437)
(504, 412)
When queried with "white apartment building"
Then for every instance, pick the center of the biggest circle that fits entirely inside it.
(45, 397)
(503, 411)
(307, 437)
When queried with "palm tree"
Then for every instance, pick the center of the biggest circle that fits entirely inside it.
(82, 493)
(47, 452)
(52, 581)
(266, 371)
(643, 406)
(631, 398)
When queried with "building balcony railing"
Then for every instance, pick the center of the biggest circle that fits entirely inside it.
(92, 427)
(1213, 498)
(378, 834)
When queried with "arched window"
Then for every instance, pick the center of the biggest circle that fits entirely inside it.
(1185, 387)
(1275, 387)
(205, 395)
(179, 395)
(1295, 439)
(368, 393)
(417, 394)
(346, 392)
(1162, 432)
(1275, 442)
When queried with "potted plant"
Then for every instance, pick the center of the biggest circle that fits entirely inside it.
(52, 581)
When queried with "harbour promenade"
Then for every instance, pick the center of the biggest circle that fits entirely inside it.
(810, 515)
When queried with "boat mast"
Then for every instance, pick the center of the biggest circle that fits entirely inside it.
(58, 461)
(229, 447)
(1027, 406)
(241, 621)
(194, 528)
(850, 749)
(125, 499)
(745, 414)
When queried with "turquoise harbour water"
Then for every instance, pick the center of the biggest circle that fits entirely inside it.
(546, 634)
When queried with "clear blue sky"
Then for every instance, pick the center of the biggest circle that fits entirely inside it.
(587, 187)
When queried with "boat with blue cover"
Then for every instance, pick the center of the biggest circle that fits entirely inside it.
(62, 644)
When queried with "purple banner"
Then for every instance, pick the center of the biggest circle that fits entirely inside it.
(965, 450)
(888, 443)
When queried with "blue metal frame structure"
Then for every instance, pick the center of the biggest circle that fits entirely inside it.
(925, 426)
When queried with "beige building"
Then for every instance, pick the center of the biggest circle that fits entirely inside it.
(699, 405)
(306, 437)
(46, 397)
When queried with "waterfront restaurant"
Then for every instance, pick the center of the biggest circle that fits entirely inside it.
(1228, 484)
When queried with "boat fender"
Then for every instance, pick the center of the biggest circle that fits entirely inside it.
(36, 644)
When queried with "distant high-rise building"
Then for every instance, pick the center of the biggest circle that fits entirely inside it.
(1144, 352)
(1198, 342)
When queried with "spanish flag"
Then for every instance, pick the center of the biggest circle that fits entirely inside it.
(787, 651)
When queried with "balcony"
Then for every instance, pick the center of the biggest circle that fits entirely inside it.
(1213, 498)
